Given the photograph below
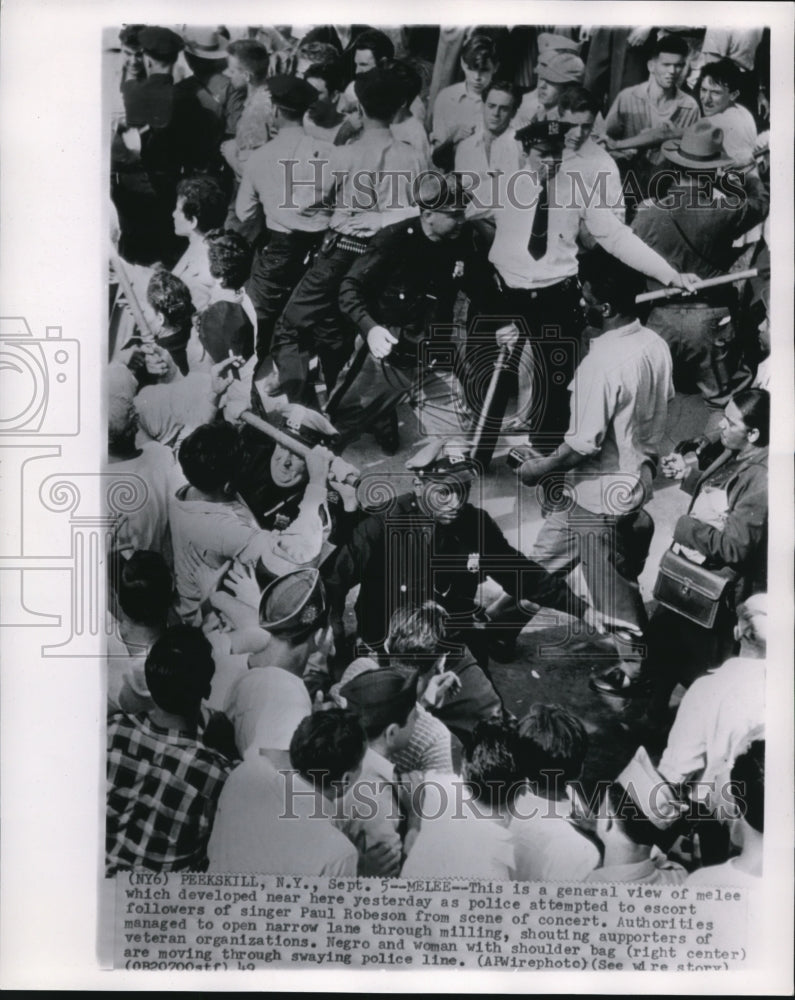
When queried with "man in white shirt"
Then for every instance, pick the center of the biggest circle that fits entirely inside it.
(458, 109)
(719, 87)
(535, 256)
(550, 751)
(279, 822)
(619, 407)
(473, 156)
(283, 177)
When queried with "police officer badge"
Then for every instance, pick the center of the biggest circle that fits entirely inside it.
(473, 562)
(458, 270)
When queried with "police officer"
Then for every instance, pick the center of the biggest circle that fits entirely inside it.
(433, 544)
(278, 178)
(272, 479)
(404, 285)
(162, 137)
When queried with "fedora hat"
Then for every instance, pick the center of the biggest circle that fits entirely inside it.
(206, 43)
(701, 146)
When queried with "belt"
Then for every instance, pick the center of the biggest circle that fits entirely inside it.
(559, 288)
(351, 244)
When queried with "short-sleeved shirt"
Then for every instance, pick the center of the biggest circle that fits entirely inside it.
(653, 871)
(547, 846)
(633, 111)
(163, 787)
(147, 526)
(620, 395)
(455, 106)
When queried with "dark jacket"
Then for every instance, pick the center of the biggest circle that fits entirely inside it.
(402, 559)
(741, 545)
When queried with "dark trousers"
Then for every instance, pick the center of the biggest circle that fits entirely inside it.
(552, 320)
(312, 323)
(276, 271)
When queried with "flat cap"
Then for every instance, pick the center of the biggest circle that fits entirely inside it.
(444, 461)
(293, 603)
(292, 93)
(308, 426)
(547, 42)
(162, 44)
(380, 697)
(545, 132)
(224, 327)
(560, 67)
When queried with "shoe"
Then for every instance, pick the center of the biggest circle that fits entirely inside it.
(616, 682)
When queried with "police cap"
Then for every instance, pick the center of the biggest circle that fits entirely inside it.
(293, 603)
(308, 426)
(546, 133)
(442, 461)
(292, 93)
(439, 193)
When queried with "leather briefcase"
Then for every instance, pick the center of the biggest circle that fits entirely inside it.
(689, 589)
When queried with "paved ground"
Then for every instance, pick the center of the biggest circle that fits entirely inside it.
(547, 670)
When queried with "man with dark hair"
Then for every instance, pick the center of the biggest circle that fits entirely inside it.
(162, 137)
(550, 750)
(275, 821)
(323, 119)
(280, 179)
(633, 818)
(458, 109)
(746, 818)
(371, 180)
(644, 116)
(170, 300)
(200, 207)
(477, 156)
(247, 68)
(465, 823)
(207, 521)
(163, 782)
(143, 590)
(406, 126)
(432, 544)
(377, 809)
(370, 48)
(397, 294)
(693, 227)
(619, 407)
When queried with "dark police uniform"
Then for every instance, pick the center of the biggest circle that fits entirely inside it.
(408, 284)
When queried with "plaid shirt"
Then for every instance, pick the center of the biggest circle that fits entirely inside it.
(163, 787)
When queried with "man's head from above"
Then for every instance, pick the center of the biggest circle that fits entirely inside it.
(746, 420)
(314, 53)
(179, 670)
(160, 46)
(609, 288)
(327, 750)
(205, 50)
(442, 201)
(201, 206)
(542, 146)
(668, 61)
(408, 79)
(122, 415)
(444, 474)
(490, 766)
(132, 52)
(380, 94)
(326, 78)
(479, 63)
(500, 102)
(144, 587)
(292, 97)
(416, 636)
(209, 458)
(169, 302)
(719, 86)
(385, 703)
(557, 71)
(578, 108)
(247, 63)
(747, 792)
(229, 255)
(369, 49)
(551, 744)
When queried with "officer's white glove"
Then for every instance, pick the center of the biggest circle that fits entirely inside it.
(380, 341)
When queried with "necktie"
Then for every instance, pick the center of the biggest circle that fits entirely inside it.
(537, 244)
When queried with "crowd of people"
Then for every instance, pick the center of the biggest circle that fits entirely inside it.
(304, 226)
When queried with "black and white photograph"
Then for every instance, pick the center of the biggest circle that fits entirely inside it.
(421, 560)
